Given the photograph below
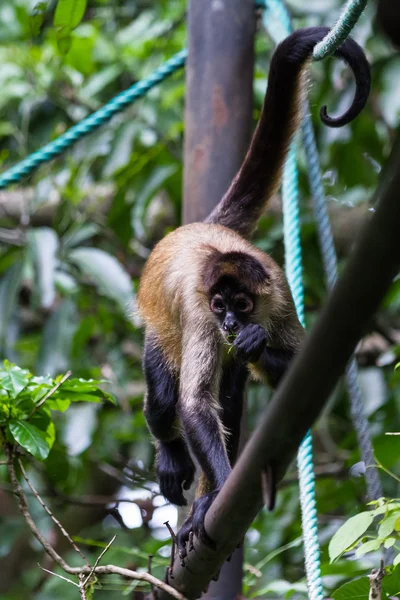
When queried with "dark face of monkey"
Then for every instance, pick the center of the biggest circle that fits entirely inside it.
(232, 305)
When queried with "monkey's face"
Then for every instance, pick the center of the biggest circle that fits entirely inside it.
(232, 307)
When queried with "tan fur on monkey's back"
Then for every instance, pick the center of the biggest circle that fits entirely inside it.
(172, 291)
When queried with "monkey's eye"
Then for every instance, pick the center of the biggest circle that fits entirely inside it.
(217, 305)
(244, 305)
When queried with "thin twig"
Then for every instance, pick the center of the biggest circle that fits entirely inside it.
(84, 570)
(23, 507)
(51, 392)
(59, 576)
(52, 517)
(98, 560)
(82, 586)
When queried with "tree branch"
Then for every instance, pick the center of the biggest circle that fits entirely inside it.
(86, 569)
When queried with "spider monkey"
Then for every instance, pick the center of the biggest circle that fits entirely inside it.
(206, 290)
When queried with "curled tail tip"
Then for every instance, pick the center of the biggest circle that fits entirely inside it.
(354, 56)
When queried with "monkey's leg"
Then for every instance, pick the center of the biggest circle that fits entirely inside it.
(231, 395)
(174, 466)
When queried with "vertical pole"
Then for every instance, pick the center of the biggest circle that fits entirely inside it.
(219, 100)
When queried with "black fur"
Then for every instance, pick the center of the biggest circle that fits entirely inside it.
(174, 466)
(162, 392)
(232, 386)
(175, 470)
(244, 202)
(239, 265)
(251, 342)
(274, 362)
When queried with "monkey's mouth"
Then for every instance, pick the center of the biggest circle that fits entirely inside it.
(230, 337)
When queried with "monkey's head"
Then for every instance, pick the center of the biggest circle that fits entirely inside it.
(233, 280)
(232, 305)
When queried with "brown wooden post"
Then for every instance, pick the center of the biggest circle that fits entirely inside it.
(219, 101)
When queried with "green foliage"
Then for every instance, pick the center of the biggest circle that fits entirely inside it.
(27, 402)
(73, 241)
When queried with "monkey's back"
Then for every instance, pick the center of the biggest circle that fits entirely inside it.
(171, 287)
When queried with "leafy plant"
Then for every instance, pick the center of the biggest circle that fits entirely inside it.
(27, 404)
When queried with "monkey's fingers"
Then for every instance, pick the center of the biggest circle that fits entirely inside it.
(251, 342)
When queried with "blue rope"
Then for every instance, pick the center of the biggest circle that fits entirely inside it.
(293, 269)
(329, 258)
(291, 228)
(347, 20)
(93, 121)
(293, 259)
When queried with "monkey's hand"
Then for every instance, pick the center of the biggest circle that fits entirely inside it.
(175, 470)
(251, 342)
(195, 523)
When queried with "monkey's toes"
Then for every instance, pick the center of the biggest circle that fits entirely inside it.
(199, 511)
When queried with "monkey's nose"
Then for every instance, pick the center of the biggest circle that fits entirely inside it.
(231, 326)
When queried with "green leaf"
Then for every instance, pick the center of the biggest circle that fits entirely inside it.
(396, 560)
(159, 176)
(57, 339)
(44, 245)
(369, 546)
(391, 583)
(69, 13)
(13, 379)
(64, 41)
(31, 438)
(388, 524)
(106, 272)
(349, 533)
(389, 542)
(60, 404)
(358, 589)
(279, 588)
(37, 17)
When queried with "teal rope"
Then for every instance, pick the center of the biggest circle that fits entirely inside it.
(293, 258)
(360, 422)
(93, 121)
(138, 90)
(347, 20)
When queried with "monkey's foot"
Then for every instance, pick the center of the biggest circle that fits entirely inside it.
(175, 470)
(250, 342)
(194, 524)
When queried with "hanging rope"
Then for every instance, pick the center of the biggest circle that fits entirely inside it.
(329, 258)
(336, 36)
(293, 266)
(294, 272)
(93, 121)
(347, 20)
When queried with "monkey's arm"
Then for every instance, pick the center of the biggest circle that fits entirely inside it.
(270, 363)
(174, 466)
(200, 415)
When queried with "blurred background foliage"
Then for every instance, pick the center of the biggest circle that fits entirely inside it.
(73, 241)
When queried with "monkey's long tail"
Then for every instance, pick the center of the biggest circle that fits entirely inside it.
(261, 172)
